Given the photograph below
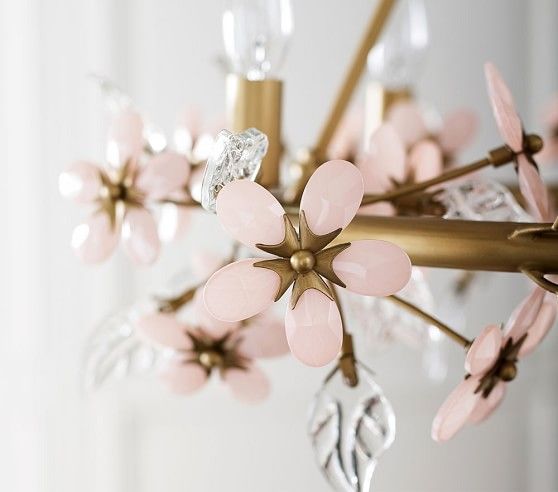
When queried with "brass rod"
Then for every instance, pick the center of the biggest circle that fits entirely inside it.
(423, 185)
(419, 313)
(462, 244)
(371, 35)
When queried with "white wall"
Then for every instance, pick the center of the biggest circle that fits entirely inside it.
(134, 437)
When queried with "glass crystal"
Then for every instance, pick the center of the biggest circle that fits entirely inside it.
(482, 199)
(395, 61)
(256, 34)
(350, 429)
(235, 156)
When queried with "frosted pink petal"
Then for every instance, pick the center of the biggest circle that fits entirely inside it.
(208, 323)
(385, 209)
(373, 267)
(507, 119)
(533, 189)
(264, 337)
(183, 377)
(314, 329)
(163, 174)
(346, 140)
(524, 315)
(163, 329)
(81, 182)
(384, 161)
(95, 239)
(140, 237)
(205, 263)
(174, 222)
(458, 130)
(408, 121)
(486, 406)
(425, 160)
(125, 139)
(484, 350)
(540, 327)
(240, 290)
(249, 385)
(456, 410)
(250, 213)
(332, 196)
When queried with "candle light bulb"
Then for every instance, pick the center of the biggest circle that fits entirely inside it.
(256, 34)
(396, 60)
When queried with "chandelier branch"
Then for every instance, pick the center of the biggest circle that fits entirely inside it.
(431, 320)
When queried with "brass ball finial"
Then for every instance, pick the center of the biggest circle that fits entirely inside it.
(303, 261)
(507, 371)
(534, 143)
(210, 359)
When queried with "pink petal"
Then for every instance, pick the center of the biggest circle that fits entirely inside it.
(373, 267)
(208, 323)
(332, 196)
(174, 222)
(314, 329)
(540, 327)
(484, 350)
(425, 160)
(250, 213)
(507, 119)
(140, 237)
(524, 315)
(385, 209)
(183, 377)
(346, 140)
(249, 385)
(125, 140)
(81, 182)
(163, 329)
(163, 174)
(205, 263)
(533, 189)
(95, 239)
(384, 160)
(456, 410)
(459, 129)
(240, 290)
(486, 406)
(408, 121)
(264, 337)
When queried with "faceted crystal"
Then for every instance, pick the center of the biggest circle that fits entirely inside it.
(235, 156)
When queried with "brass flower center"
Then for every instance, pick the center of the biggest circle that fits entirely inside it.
(210, 359)
(303, 261)
(507, 371)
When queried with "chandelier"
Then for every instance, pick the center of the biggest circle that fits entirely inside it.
(338, 234)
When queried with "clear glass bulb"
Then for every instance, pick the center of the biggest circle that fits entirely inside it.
(397, 58)
(256, 34)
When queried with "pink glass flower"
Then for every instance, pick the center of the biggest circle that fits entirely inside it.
(122, 195)
(511, 130)
(491, 364)
(254, 217)
(386, 165)
(451, 137)
(213, 346)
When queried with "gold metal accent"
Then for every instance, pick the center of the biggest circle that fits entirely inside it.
(460, 244)
(507, 371)
(210, 359)
(175, 303)
(281, 267)
(540, 279)
(305, 281)
(379, 100)
(431, 320)
(288, 246)
(303, 261)
(257, 103)
(347, 361)
(324, 263)
(311, 241)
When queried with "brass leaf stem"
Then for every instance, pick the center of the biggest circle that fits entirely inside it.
(431, 320)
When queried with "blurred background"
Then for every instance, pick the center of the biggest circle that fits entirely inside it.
(132, 435)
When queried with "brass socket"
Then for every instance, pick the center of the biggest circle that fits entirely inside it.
(257, 104)
(378, 102)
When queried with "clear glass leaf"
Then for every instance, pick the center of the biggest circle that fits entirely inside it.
(350, 429)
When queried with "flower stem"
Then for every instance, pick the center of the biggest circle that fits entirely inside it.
(418, 312)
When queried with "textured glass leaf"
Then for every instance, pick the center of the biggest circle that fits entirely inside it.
(350, 428)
